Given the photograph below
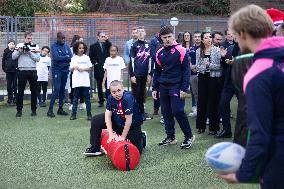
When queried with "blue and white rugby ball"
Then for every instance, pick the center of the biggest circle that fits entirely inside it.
(225, 157)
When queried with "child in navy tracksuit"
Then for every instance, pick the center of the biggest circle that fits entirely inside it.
(140, 69)
(171, 78)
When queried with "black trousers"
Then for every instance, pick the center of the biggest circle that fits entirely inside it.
(225, 111)
(100, 90)
(138, 91)
(11, 78)
(98, 124)
(23, 77)
(71, 95)
(42, 85)
(209, 92)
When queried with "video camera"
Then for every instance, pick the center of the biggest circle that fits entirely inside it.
(27, 46)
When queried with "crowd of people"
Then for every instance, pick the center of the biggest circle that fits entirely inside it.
(208, 65)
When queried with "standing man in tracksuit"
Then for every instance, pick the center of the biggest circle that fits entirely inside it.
(228, 91)
(171, 78)
(61, 57)
(27, 55)
(140, 69)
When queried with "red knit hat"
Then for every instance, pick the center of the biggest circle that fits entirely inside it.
(276, 15)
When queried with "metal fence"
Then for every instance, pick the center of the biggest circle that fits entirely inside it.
(119, 30)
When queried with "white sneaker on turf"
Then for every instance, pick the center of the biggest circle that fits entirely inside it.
(187, 143)
(82, 106)
(162, 120)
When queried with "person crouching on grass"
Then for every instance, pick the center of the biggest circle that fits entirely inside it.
(171, 79)
(80, 66)
(122, 116)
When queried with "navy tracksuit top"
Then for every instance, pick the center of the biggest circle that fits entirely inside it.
(264, 90)
(61, 57)
(141, 53)
(172, 67)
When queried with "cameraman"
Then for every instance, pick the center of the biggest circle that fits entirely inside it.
(27, 54)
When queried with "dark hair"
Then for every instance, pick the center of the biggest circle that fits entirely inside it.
(190, 41)
(216, 32)
(45, 47)
(202, 46)
(114, 47)
(166, 30)
(180, 37)
(76, 46)
(74, 40)
(197, 32)
(27, 33)
(11, 41)
(282, 26)
(226, 31)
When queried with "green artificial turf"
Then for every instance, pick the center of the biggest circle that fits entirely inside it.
(39, 152)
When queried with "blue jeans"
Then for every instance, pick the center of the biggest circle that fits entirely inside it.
(78, 92)
(59, 80)
(173, 107)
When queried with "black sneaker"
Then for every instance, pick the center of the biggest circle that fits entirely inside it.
(212, 133)
(50, 114)
(187, 142)
(144, 139)
(89, 117)
(33, 113)
(73, 117)
(168, 141)
(62, 112)
(224, 134)
(89, 152)
(19, 114)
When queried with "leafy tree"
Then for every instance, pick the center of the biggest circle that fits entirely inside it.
(29, 7)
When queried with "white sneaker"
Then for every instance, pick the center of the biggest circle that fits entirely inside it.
(162, 120)
(207, 121)
(192, 114)
(82, 106)
(70, 107)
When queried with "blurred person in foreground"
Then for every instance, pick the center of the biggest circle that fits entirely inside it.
(263, 87)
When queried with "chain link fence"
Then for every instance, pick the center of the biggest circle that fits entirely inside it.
(119, 30)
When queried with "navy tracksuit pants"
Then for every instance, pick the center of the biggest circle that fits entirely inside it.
(227, 94)
(59, 80)
(173, 107)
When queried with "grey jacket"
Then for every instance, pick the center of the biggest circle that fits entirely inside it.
(215, 68)
(26, 61)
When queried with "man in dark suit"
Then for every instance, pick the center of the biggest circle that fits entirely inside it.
(99, 51)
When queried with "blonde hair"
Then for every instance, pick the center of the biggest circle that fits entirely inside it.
(252, 20)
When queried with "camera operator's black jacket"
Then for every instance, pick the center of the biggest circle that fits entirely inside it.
(98, 57)
(8, 64)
